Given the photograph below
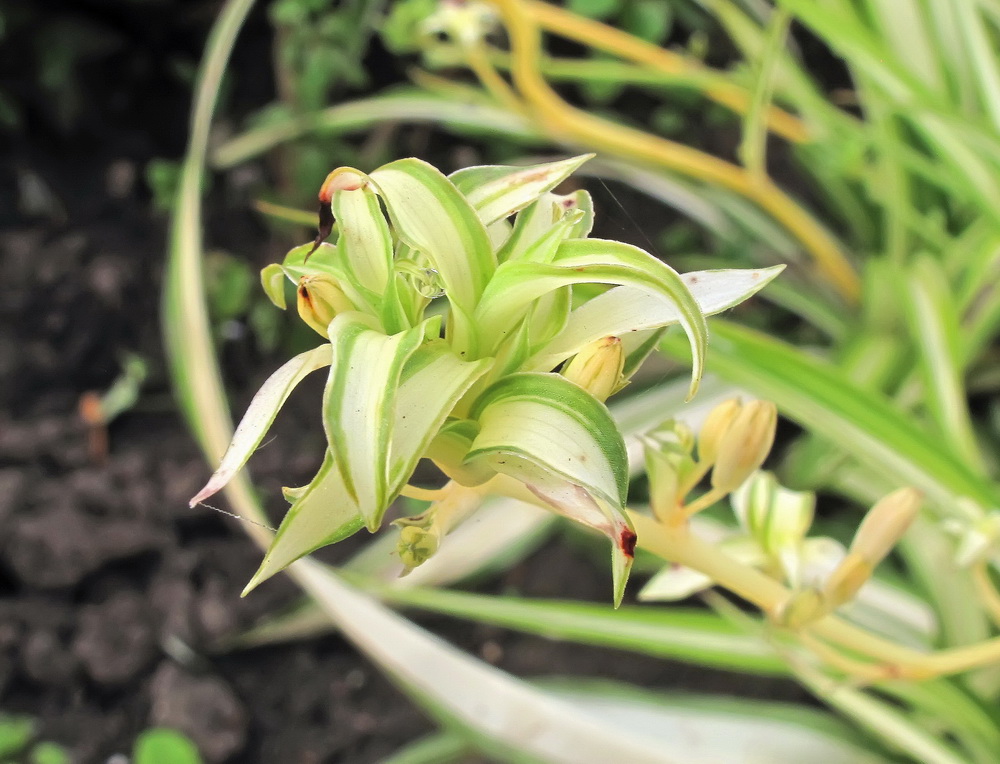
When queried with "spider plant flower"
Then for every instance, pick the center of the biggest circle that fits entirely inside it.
(463, 373)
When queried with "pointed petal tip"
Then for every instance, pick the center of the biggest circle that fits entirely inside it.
(258, 578)
(211, 488)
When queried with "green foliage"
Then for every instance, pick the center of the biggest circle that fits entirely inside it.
(164, 746)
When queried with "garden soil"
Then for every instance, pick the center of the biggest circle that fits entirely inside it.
(114, 595)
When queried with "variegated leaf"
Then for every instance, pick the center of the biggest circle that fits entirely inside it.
(262, 410)
(498, 192)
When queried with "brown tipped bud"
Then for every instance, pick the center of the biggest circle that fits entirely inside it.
(598, 367)
(319, 300)
(744, 445)
(885, 524)
(714, 429)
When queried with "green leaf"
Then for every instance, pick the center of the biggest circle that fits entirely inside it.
(498, 192)
(359, 405)
(16, 733)
(262, 410)
(430, 215)
(861, 422)
(49, 753)
(933, 319)
(164, 746)
(628, 309)
(438, 748)
(692, 635)
(323, 515)
(272, 280)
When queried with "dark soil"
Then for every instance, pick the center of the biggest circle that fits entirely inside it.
(112, 591)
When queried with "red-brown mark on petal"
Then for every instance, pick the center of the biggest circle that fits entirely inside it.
(627, 541)
(325, 224)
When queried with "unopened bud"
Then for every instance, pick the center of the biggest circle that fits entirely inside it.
(669, 465)
(884, 525)
(598, 367)
(879, 532)
(745, 444)
(714, 429)
(320, 298)
(802, 607)
(416, 545)
(847, 579)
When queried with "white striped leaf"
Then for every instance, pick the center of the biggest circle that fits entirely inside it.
(359, 405)
(498, 192)
(563, 445)
(430, 215)
(262, 410)
(322, 514)
(433, 381)
(365, 243)
(627, 309)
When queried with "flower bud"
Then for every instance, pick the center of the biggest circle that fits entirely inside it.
(885, 524)
(847, 579)
(714, 429)
(879, 532)
(416, 545)
(803, 607)
(669, 466)
(744, 445)
(598, 367)
(320, 298)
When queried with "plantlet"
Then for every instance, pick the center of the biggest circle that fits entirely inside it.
(447, 321)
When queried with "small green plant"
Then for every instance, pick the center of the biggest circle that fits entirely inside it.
(446, 323)
(19, 743)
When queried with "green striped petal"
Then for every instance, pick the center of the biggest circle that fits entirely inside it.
(323, 513)
(359, 405)
(262, 410)
(430, 215)
(498, 192)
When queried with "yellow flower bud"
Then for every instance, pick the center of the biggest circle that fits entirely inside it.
(847, 579)
(885, 524)
(744, 445)
(802, 607)
(714, 429)
(598, 367)
(879, 532)
(319, 300)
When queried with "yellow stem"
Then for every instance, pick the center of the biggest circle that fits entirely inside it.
(703, 502)
(677, 545)
(497, 86)
(611, 40)
(574, 126)
(424, 494)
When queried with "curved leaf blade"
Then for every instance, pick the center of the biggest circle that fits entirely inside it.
(498, 192)
(262, 410)
(323, 515)
(627, 309)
